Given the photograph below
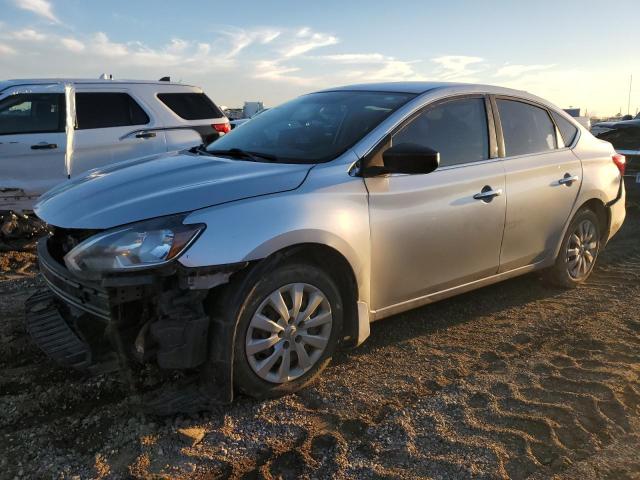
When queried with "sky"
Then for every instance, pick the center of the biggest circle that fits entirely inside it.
(574, 53)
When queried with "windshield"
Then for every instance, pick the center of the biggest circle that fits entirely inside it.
(313, 128)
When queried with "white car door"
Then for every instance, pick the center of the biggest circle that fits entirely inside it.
(112, 127)
(32, 143)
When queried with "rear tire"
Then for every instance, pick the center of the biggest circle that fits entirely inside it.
(288, 328)
(578, 252)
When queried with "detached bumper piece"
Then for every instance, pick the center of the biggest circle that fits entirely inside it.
(51, 333)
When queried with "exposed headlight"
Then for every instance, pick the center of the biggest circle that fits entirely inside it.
(132, 247)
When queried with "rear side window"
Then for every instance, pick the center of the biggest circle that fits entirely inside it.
(191, 106)
(567, 129)
(108, 109)
(526, 128)
(32, 113)
(457, 129)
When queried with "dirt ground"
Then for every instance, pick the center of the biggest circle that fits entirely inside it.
(517, 380)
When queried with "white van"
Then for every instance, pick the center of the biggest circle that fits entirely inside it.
(114, 120)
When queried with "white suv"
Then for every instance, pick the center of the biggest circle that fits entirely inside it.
(115, 120)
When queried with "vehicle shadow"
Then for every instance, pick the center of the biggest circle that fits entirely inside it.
(429, 319)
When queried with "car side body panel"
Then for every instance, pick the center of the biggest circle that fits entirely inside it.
(538, 206)
(330, 208)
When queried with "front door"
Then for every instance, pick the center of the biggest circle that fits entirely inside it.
(439, 230)
(32, 146)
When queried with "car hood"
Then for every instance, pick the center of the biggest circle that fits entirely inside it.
(161, 185)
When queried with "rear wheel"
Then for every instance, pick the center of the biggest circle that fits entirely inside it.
(288, 329)
(579, 251)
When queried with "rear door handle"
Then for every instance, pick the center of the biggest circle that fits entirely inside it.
(487, 193)
(44, 146)
(145, 135)
(568, 179)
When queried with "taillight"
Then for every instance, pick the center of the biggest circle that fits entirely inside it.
(222, 127)
(620, 161)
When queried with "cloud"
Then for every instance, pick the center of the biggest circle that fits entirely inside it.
(103, 46)
(355, 58)
(240, 39)
(72, 44)
(39, 7)
(456, 67)
(6, 50)
(306, 40)
(28, 34)
(274, 70)
(518, 70)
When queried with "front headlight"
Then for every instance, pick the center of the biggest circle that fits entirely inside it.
(132, 247)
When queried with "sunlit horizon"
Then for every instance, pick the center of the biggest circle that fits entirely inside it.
(572, 54)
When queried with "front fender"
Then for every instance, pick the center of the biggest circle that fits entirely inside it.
(330, 208)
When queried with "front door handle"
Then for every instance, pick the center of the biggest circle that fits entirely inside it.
(145, 135)
(568, 179)
(44, 146)
(487, 193)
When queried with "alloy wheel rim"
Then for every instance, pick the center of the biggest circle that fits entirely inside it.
(289, 332)
(582, 249)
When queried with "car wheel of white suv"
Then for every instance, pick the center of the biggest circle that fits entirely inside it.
(579, 251)
(289, 326)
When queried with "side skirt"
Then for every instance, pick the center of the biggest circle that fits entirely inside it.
(450, 292)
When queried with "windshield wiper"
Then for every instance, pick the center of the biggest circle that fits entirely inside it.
(200, 149)
(239, 153)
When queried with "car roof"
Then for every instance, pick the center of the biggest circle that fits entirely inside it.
(424, 87)
(395, 87)
(92, 81)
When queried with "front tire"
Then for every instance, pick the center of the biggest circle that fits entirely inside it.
(288, 328)
(579, 251)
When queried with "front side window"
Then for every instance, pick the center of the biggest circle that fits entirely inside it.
(526, 128)
(313, 128)
(32, 113)
(108, 109)
(457, 129)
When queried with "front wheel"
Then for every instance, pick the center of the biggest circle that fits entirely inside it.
(579, 250)
(289, 327)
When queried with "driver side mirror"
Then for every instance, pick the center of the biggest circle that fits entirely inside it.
(410, 158)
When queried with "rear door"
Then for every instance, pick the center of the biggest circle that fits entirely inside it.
(435, 231)
(543, 178)
(112, 126)
(32, 145)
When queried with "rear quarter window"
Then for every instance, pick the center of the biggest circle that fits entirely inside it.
(568, 130)
(191, 106)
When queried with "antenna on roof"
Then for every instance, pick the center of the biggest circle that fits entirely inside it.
(165, 79)
(104, 76)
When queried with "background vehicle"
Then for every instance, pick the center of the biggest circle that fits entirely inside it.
(624, 135)
(242, 121)
(316, 218)
(115, 120)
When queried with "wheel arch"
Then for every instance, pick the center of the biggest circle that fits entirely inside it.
(595, 204)
(335, 264)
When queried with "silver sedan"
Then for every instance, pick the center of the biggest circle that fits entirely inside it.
(250, 260)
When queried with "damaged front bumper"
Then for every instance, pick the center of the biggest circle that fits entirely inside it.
(156, 316)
